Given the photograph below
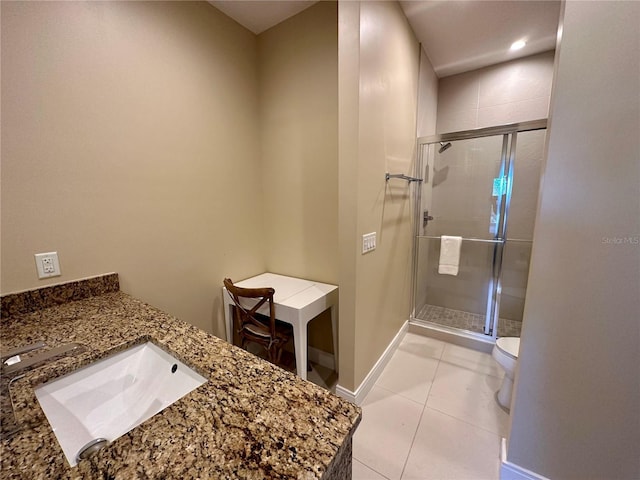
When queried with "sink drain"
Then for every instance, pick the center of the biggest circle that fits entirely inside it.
(90, 448)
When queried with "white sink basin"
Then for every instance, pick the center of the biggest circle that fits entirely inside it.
(112, 396)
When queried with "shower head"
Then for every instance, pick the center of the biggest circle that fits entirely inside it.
(444, 146)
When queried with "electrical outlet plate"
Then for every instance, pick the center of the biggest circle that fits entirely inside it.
(368, 242)
(47, 264)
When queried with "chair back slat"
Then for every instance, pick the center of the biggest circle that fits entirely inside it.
(251, 327)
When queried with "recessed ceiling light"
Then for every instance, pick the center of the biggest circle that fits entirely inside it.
(518, 45)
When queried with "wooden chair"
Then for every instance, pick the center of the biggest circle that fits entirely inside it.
(253, 327)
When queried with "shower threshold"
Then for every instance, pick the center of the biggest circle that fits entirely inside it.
(468, 321)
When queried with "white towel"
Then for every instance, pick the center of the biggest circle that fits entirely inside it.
(449, 255)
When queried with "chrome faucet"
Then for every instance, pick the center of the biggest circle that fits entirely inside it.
(11, 365)
(20, 350)
(8, 368)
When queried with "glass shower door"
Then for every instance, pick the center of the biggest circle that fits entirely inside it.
(464, 193)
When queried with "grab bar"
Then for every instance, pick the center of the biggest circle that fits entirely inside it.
(402, 176)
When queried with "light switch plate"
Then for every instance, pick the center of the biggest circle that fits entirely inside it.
(47, 264)
(368, 242)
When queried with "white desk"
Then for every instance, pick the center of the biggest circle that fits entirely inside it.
(296, 302)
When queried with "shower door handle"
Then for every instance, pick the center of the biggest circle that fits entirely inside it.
(425, 218)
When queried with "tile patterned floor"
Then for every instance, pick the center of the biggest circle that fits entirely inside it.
(466, 320)
(431, 415)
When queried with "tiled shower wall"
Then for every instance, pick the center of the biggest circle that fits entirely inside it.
(509, 92)
(506, 93)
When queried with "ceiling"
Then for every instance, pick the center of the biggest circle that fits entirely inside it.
(260, 15)
(457, 35)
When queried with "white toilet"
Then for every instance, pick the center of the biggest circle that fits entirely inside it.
(505, 353)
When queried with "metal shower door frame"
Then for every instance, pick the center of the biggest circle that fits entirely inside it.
(509, 133)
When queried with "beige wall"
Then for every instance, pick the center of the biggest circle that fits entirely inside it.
(348, 124)
(164, 116)
(577, 396)
(130, 144)
(383, 60)
(298, 85)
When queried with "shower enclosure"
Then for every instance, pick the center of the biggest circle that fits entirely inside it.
(481, 185)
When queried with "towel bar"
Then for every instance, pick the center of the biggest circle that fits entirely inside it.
(487, 240)
(402, 176)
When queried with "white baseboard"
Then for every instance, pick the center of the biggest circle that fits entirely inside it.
(346, 394)
(511, 471)
(367, 384)
(321, 357)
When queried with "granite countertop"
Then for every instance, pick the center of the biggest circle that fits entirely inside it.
(250, 420)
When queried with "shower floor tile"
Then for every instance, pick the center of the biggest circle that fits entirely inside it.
(466, 320)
